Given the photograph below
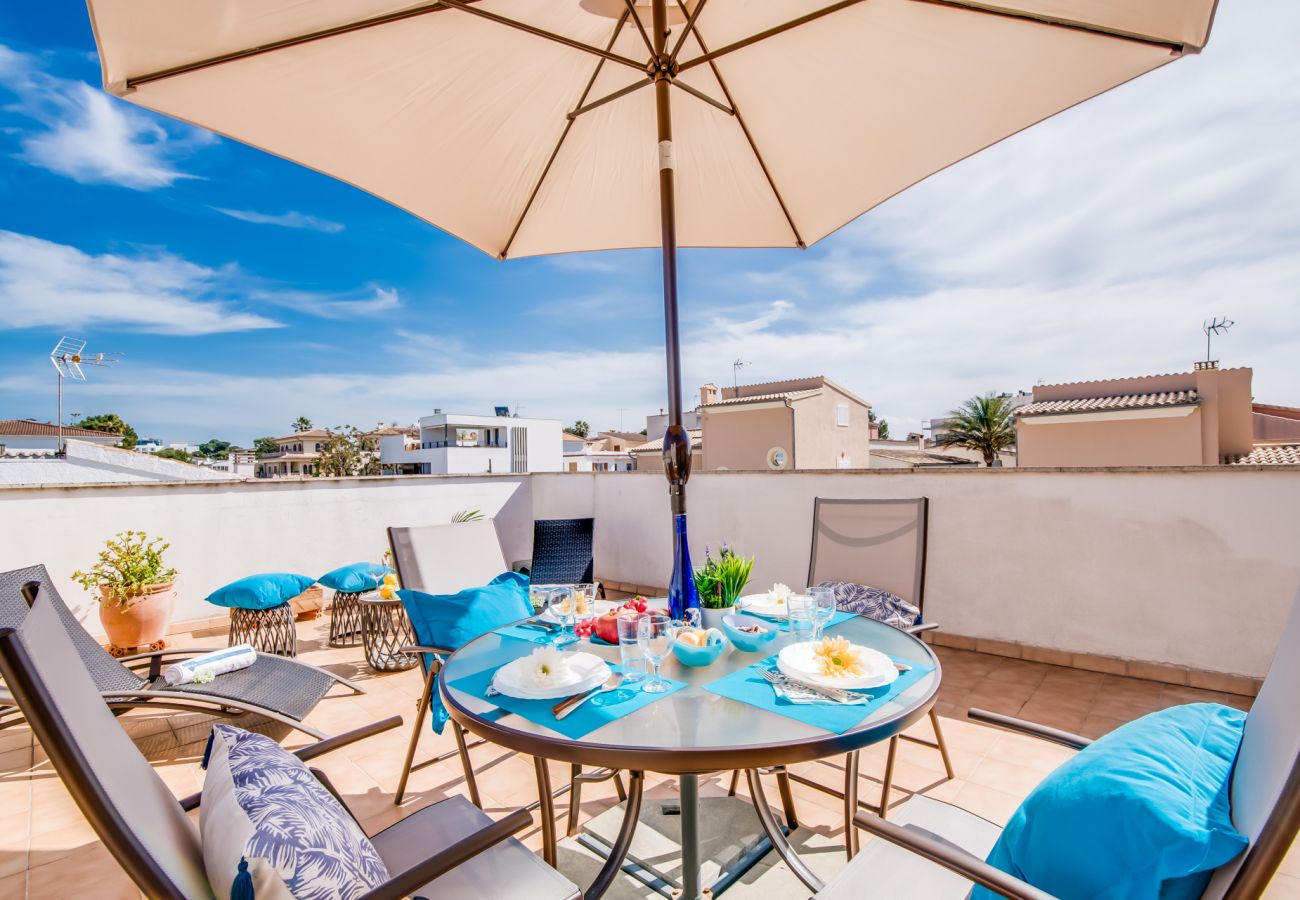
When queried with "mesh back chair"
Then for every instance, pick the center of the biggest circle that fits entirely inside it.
(562, 552)
(934, 850)
(882, 544)
(284, 690)
(444, 559)
(449, 849)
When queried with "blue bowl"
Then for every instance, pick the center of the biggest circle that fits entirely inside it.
(748, 641)
(707, 655)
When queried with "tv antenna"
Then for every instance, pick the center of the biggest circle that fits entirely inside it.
(1212, 327)
(68, 356)
(735, 371)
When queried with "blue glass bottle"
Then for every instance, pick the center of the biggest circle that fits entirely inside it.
(682, 594)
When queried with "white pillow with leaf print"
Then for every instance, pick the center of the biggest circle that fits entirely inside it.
(271, 830)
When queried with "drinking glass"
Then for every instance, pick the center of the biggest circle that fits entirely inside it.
(823, 609)
(656, 636)
(584, 600)
(802, 615)
(629, 649)
(539, 595)
(562, 608)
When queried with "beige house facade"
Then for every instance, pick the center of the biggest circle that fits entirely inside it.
(803, 423)
(297, 456)
(1197, 418)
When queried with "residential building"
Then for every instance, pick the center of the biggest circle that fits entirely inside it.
(656, 425)
(297, 456)
(915, 453)
(458, 444)
(29, 434)
(649, 456)
(87, 462)
(148, 445)
(605, 452)
(1199, 418)
(393, 445)
(237, 462)
(802, 423)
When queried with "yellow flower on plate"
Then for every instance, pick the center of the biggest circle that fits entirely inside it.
(387, 591)
(390, 579)
(837, 658)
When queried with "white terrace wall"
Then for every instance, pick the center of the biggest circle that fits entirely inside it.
(221, 532)
(1192, 567)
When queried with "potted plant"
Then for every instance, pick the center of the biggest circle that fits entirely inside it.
(719, 582)
(135, 590)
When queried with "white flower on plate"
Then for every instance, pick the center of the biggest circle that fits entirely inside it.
(545, 667)
(780, 593)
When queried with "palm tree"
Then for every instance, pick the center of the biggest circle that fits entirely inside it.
(983, 424)
(301, 424)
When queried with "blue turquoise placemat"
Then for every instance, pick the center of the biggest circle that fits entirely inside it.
(532, 635)
(784, 624)
(596, 712)
(747, 686)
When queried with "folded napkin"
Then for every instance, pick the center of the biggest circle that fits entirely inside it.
(204, 668)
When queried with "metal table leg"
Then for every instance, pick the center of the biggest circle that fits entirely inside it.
(776, 835)
(690, 801)
(614, 862)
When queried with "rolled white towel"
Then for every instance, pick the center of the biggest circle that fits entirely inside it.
(204, 668)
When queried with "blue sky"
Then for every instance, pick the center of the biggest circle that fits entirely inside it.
(245, 291)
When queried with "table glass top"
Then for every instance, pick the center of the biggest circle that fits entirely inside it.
(693, 717)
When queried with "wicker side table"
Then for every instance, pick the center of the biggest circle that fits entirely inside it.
(385, 629)
(345, 619)
(267, 630)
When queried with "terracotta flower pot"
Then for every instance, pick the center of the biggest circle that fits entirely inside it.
(144, 618)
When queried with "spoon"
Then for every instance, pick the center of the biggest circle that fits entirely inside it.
(566, 706)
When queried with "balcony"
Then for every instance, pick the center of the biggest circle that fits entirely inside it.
(1077, 598)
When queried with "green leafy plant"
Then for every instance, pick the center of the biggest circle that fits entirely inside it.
(985, 424)
(467, 515)
(130, 562)
(721, 580)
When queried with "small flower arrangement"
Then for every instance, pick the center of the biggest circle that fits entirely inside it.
(720, 581)
(837, 658)
(546, 666)
(130, 563)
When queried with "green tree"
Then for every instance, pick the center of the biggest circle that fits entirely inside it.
(884, 430)
(111, 423)
(983, 424)
(580, 428)
(302, 423)
(348, 452)
(265, 445)
(214, 448)
(174, 453)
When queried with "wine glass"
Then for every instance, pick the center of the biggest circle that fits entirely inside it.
(823, 599)
(563, 609)
(656, 635)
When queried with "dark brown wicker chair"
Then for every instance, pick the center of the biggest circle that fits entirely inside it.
(449, 849)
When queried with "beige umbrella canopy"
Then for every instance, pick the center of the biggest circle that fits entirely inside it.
(546, 126)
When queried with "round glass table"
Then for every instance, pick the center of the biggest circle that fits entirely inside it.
(689, 732)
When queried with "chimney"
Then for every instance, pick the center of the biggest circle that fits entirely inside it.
(920, 442)
(708, 394)
(1205, 365)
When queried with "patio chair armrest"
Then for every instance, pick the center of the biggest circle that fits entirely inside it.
(1033, 729)
(170, 651)
(442, 862)
(924, 626)
(311, 751)
(953, 858)
(421, 648)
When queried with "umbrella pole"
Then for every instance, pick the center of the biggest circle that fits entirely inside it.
(682, 595)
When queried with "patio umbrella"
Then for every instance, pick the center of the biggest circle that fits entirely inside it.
(531, 127)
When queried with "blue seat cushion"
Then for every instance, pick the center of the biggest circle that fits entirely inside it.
(355, 578)
(1142, 812)
(261, 591)
(452, 620)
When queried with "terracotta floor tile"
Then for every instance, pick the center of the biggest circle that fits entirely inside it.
(1283, 887)
(989, 803)
(1008, 777)
(1096, 726)
(13, 887)
(1030, 753)
(89, 872)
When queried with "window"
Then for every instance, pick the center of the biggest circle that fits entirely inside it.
(842, 415)
(777, 458)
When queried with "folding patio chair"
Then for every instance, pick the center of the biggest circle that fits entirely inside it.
(935, 850)
(445, 559)
(449, 849)
(562, 552)
(881, 544)
(284, 690)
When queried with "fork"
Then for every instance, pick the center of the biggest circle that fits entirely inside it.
(835, 695)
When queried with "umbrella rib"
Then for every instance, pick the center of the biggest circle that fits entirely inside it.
(700, 95)
(591, 82)
(690, 26)
(764, 35)
(608, 98)
(640, 26)
(740, 120)
(543, 33)
(1069, 24)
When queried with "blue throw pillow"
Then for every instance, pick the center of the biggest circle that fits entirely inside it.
(261, 591)
(271, 829)
(452, 620)
(356, 578)
(1142, 812)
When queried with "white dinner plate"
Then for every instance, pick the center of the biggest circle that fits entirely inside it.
(763, 605)
(596, 609)
(799, 662)
(586, 671)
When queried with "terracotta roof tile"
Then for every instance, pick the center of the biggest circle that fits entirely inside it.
(1108, 404)
(697, 441)
(1265, 455)
(32, 428)
(758, 398)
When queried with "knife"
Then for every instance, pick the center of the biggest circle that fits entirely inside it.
(569, 704)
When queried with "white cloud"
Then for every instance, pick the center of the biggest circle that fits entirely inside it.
(83, 134)
(374, 301)
(289, 219)
(47, 284)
